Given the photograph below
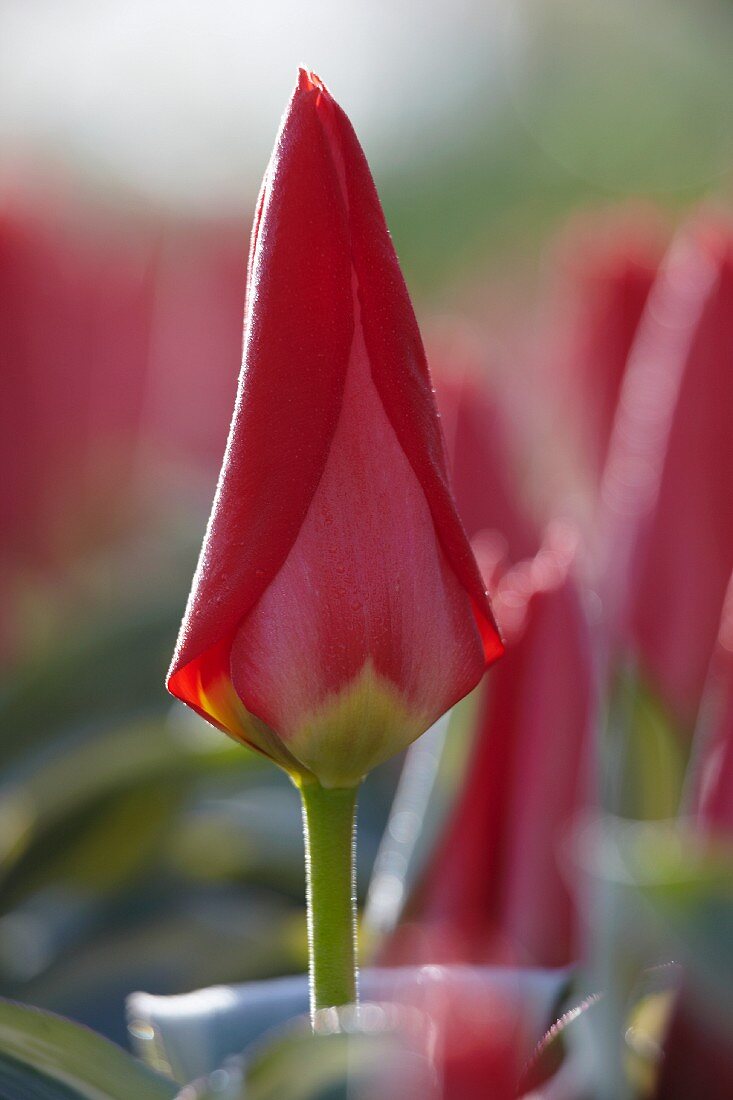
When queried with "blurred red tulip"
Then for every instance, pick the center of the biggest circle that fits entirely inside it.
(494, 890)
(197, 345)
(607, 271)
(337, 610)
(485, 483)
(478, 1026)
(482, 1038)
(75, 322)
(668, 510)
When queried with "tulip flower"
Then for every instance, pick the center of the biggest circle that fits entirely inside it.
(337, 610)
(668, 519)
(199, 273)
(607, 272)
(481, 458)
(75, 316)
(494, 890)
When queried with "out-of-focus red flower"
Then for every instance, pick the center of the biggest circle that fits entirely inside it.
(337, 610)
(75, 314)
(494, 890)
(607, 271)
(476, 1027)
(668, 509)
(481, 1041)
(196, 348)
(485, 481)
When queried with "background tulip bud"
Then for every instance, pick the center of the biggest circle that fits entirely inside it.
(495, 889)
(666, 491)
(337, 610)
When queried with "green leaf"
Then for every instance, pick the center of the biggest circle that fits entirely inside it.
(363, 1051)
(328, 1067)
(646, 754)
(45, 1057)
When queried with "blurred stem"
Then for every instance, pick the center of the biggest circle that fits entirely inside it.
(329, 823)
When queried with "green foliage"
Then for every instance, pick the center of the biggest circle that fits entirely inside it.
(644, 755)
(44, 1057)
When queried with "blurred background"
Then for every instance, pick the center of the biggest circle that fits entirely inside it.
(535, 159)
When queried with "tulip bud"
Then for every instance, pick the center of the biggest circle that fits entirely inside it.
(667, 516)
(483, 463)
(337, 610)
(607, 270)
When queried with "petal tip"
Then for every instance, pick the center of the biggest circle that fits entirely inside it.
(308, 81)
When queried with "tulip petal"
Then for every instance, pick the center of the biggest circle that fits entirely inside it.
(287, 408)
(400, 369)
(366, 621)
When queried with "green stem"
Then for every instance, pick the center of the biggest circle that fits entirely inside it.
(329, 823)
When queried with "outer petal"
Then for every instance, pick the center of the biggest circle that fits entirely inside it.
(400, 370)
(299, 326)
(365, 636)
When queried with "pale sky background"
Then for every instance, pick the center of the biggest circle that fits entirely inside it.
(178, 101)
(182, 98)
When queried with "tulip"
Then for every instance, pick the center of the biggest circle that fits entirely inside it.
(199, 273)
(607, 272)
(482, 461)
(75, 317)
(494, 890)
(337, 610)
(667, 514)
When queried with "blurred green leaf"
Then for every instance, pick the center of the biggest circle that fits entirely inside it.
(45, 1057)
(687, 882)
(101, 672)
(658, 892)
(645, 755)
(300, 1066)
(355, 1052)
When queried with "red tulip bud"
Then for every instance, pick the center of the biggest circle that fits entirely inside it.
(666, 490)
(337, 609)
(607, 269)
